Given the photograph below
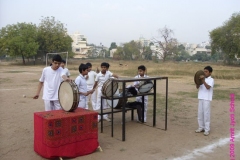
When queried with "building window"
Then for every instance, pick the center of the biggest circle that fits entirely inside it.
(77, 49)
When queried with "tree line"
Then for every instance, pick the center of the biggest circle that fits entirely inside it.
(224, 44)
(27, 39)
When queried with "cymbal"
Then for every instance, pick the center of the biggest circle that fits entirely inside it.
(196, 77)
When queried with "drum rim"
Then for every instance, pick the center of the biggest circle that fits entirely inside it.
(109, 100)
(139, 88)
(74, 96)
(105, 85)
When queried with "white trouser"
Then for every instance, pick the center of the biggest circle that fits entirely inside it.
(104, 102)
(204, 114)
(52, 105)
(139, 99)
(83, 103)
(92, 97)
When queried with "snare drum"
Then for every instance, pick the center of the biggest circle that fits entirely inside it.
(145, 86)
(68, 95)
(117, 103)
(107, 88)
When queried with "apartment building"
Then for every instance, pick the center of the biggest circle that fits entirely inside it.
(79, 45)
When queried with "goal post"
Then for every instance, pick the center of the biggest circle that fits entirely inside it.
(55, 54)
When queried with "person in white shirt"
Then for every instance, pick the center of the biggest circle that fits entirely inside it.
(99, 80)
(141, 74)
(90, 82)
(66, 71)
(50, 80)
(81, 82)
(205, 93)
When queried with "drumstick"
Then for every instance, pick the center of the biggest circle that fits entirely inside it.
(24, 96)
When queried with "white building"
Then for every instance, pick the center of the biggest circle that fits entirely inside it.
(112, 51)
(157, 51)
(144, 42)
(79, 45)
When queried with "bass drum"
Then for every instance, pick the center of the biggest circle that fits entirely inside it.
(68, 95)
(107, 88)
(117, 103)
(145, 86)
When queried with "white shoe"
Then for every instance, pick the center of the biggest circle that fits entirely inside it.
(199, 130)
(206, 133)
(107, 119)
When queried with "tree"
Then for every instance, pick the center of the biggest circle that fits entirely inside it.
(226, 39)
(167, 44)
(19, 40)
(181, 54)
(113, 45)
(147, 52)
(119, 54)
(52, 36)
(131, 50)
(200, 57)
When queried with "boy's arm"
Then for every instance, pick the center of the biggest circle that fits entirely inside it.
(95, 85)
(65, 78)
(114, 75)
(38, 90)
(203, 81)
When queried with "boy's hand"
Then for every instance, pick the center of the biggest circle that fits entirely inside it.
(68, 80)
(202, 78)
(36, 97)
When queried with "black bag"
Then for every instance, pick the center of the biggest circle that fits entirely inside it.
(138, 106)
(132, 91)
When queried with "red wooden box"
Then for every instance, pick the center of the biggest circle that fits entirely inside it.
(65, 134)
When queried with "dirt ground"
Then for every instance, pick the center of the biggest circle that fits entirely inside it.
(142, 140)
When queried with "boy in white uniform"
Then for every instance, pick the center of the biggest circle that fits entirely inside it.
(51, 78)
(99, 80)
(141, 74)
(90, 82)
(205, 93)
(66, 71)
(82, 86)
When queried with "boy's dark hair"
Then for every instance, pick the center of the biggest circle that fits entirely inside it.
(142, 67)
(108, 65)
(89, 64)
(105, 64)
(209, 68)
(63, 61)
(82, 67)
(57, 58)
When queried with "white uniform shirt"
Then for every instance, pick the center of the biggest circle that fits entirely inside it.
(82, 85)
(101, 78)
(203, 92)
(136, 83)
(91, 78)
(51, 80)
(66, 71)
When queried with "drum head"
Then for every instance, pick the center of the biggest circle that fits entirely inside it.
(65, 95)
(196, 77)
(115, 101)
(144, 88)
(107, 88)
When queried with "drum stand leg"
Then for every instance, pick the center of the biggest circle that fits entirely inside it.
(99, 148)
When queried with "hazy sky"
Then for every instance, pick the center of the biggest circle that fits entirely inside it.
(106, 21)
